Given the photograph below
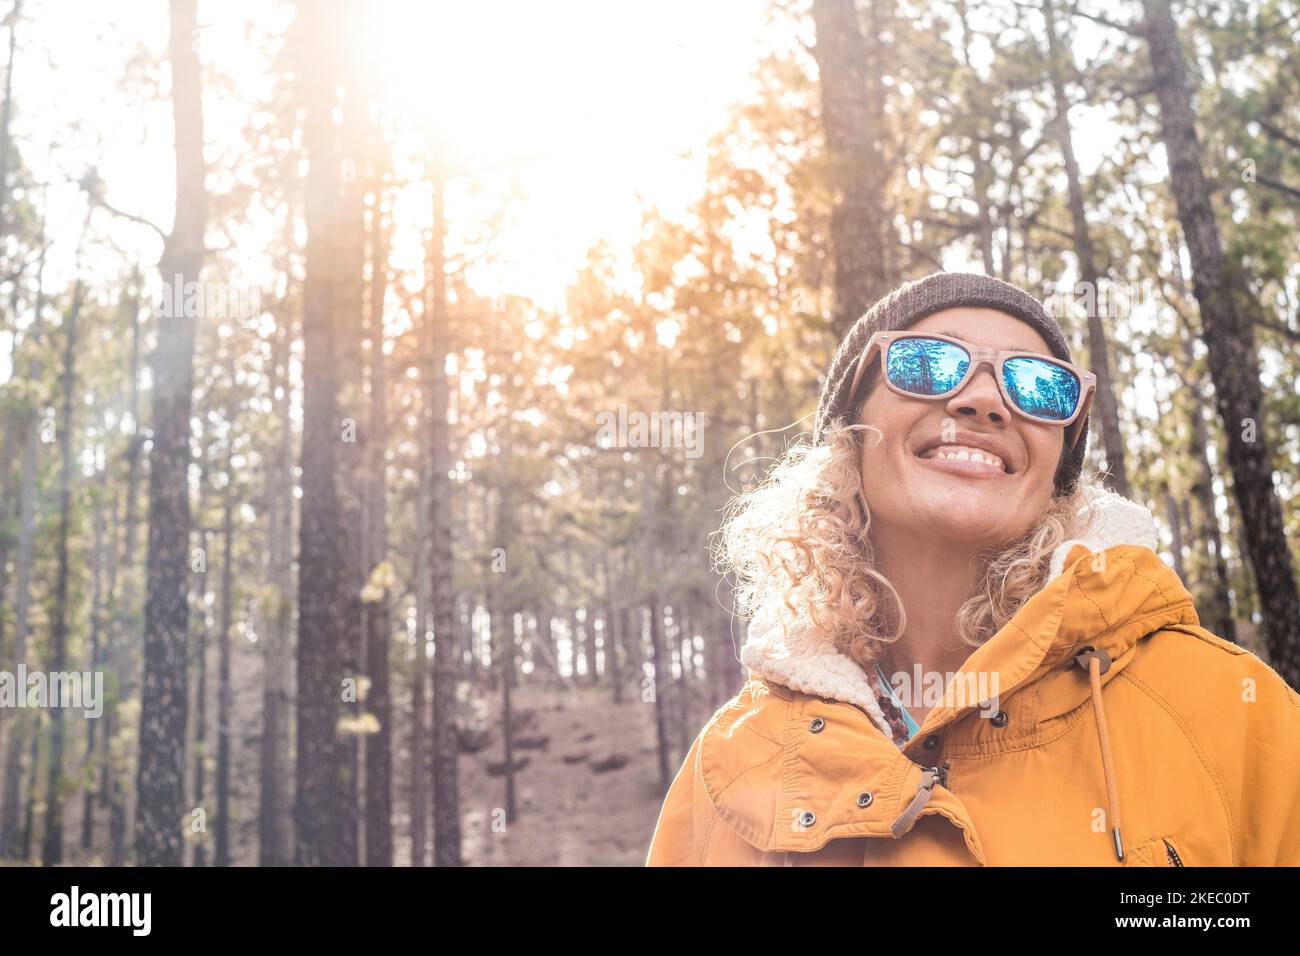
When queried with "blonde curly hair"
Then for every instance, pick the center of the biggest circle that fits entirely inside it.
(800, 540)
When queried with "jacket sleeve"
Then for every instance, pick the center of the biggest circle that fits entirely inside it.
(1268, 814)
(673, 842)
(1243, 722)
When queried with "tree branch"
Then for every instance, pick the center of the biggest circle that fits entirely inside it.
(129, 217)
(1136, 31)
(1275, 326)
(1289, 191)
(1276, 132)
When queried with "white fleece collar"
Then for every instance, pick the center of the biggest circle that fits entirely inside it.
(798, 657)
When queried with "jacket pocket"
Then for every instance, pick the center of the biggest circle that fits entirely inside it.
(1158, 851)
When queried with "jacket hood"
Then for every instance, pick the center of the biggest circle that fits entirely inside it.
(795, 655)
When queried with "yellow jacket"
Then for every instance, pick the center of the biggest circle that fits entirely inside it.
(1167, 746)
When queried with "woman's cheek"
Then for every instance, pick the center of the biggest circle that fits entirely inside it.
(1045, 454)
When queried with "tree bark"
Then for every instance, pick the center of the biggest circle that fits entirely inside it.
(857, 229)
(272, 832)
(379, 797)
(200, 856)
(222, 848)
(446, 754)
(52, 847)
(161, 773)
(5, 115)
(10, 832)
(1233, 362)
(112, 782)
(661, 682)
(1176, 532)
(320, 773)
(419, 745)
(354, 457)
(99, 598)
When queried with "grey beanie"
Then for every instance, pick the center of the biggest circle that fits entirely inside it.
(913, 301)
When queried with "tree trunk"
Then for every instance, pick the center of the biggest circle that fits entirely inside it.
(613, 666)
(223, 656)
(578, 650)
(857, 229)
(272, 804)
(201, 689)
(52, 848)
(112, 780)
(419, 786)
(10, 833)
(379, 797)
(29, 810)
(1233, 362)
(1116, 477)
(161, 774)
(661, 683)
(1176, 531)
(546, 642)
(5, 114)
(97, 601)
(1221, 600)
(682, 686)
(321, 772)
(446, 787)
(350, 322)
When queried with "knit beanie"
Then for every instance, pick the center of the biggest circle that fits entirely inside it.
(913, 301)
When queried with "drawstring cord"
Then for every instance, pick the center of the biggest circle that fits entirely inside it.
(929, 777)
(1096, 663)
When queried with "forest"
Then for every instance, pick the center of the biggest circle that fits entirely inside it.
(375, 375)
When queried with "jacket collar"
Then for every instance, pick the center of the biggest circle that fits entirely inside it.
(795, 655)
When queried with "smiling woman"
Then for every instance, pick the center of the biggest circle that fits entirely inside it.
(942, 523)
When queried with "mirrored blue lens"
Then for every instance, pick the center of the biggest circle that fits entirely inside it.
(1040, 388)
(926, 366)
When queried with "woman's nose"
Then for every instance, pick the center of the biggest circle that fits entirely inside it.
(980, 398)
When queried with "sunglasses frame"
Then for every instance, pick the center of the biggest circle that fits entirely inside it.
(979, 356)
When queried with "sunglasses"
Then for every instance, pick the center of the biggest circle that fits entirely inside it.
(1041, 388)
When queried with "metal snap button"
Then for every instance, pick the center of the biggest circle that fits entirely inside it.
(1000, 719)
(864, 800)
(807, 818)
(817, 725)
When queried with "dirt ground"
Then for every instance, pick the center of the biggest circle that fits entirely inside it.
(569, 815)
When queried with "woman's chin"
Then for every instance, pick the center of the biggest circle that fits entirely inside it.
(972, 518)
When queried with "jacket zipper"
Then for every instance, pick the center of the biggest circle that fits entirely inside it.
(1174, 858)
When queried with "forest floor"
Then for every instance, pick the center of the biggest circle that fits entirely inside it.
(568, 813)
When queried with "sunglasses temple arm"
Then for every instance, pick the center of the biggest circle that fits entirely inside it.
(1078, 423)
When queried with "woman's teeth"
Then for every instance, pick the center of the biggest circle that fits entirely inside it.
(965, 453)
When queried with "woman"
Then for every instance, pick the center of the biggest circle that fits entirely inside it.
(1052, 698)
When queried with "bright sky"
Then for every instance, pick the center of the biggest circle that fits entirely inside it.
(597, 108)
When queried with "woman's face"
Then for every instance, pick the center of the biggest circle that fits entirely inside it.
(912, 488)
